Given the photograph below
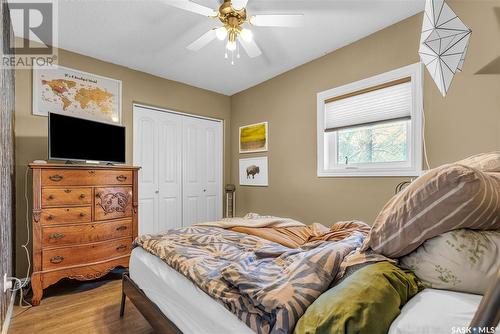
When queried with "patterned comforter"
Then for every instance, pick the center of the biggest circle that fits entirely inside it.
(267, 285)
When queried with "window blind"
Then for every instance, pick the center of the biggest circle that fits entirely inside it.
(385, 102)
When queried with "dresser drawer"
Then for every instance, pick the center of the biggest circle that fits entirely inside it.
(113, 203)
(66, 196)
(85, 233)
(85, 177)
(82, 214)
(85, 254)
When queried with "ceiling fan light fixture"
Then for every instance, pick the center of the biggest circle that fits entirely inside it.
(246, 35)
(221, 33)
(231, 45)
(233, 15)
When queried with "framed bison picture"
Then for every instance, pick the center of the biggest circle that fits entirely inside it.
(253, 172)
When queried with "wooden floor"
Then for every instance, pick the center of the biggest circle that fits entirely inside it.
(81, 307)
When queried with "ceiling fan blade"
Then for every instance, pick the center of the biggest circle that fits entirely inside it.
(239, 4)
(202, 41)
(251, 48)
(280, 20)
(192, 7)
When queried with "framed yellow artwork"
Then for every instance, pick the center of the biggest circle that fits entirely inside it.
(254, 138)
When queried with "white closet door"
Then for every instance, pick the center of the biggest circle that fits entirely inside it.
(212, 134)
(157, 149)
(202, 156)
(169, 171)
(145, 155)
(180, 182)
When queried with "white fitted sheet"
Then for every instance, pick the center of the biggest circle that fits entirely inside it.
(193, 311)
(436, 311)
(186, 305)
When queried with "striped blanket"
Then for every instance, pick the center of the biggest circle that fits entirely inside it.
(267, 285)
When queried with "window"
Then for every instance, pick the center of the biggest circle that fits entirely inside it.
(372, 127)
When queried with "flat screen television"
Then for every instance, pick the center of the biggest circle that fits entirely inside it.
(77, 139)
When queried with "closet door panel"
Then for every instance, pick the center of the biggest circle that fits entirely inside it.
(211, 208)
(212, 145)
(145, 146)
(193, 170)
(170, 163)
(146, 220)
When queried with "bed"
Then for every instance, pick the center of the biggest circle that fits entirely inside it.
(179, 299)
(275, 275)
(430, 311)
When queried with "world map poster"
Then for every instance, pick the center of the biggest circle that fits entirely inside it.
(76, 93)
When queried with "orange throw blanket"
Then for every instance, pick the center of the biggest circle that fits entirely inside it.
(296, 236)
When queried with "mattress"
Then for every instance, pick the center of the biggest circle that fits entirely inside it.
(191, 309)
(436, 311)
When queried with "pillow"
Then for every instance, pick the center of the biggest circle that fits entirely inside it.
(445, 198)
(486, 162)
(365, 302)
(461, 260)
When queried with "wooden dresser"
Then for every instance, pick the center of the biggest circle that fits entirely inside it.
(84, 221)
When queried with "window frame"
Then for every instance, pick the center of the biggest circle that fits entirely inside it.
(415, 134)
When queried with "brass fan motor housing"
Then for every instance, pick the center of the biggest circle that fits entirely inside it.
(230, 17)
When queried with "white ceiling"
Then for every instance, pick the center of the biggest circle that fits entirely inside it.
(151, 36)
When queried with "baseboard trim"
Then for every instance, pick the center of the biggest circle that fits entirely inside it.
(8, 315)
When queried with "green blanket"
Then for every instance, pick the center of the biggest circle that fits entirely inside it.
(365, 302)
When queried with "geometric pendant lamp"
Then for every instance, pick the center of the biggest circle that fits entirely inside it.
(443, 43)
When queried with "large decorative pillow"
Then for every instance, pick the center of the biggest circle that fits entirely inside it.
(461, 260)
(445, 198)
(486, 162)
(367, 301)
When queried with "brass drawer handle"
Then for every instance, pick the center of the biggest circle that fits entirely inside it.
(67, 191)
(121, 228)
(121, 178)
(51, 197)
(56, 236)
(50, 217)
(121, 247)
(82, 196)
(92, 172)
(82, 214)
(56, 259)
(56, 178)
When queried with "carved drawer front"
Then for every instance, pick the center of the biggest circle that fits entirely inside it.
(113, 202)
(85, 254)
(73, 215)
(85, 177)
(66, 196)
(86, 233)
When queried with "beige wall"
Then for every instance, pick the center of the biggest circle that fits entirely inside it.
(467, 121)
(31, 131)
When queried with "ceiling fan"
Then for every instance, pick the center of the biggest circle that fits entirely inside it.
(233, 15)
